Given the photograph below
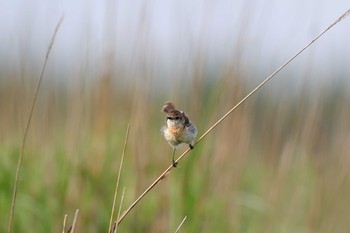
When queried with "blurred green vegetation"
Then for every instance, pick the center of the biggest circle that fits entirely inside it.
(279, 163)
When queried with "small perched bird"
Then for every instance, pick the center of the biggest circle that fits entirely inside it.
(178, 129)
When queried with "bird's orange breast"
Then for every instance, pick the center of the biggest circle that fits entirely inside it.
(176, 131)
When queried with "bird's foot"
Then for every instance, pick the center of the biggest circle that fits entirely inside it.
(174, 164)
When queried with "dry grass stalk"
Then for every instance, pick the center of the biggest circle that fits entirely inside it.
(19, 163)
(64, 223)
(182, 222)
(120, 208)
(169, 169)
(118, 179)
(161, 177)
(72, 228)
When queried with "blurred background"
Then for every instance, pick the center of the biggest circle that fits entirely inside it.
(279, 163)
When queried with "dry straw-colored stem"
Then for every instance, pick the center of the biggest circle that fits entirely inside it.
(120, 209)
(114, 227)
(118, 179)
(169, 169)
(24, 139)
(72, 228)
(182, 222)
(64, 223)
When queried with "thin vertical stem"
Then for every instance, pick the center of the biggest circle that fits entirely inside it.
(24, 139)
(118, 179)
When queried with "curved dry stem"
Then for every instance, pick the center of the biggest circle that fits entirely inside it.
(169, 169)
(24, 139)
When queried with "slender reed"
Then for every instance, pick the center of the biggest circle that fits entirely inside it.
(117, 185)
(120, 209)
(182, 222)
(24, 139)
(169, 169)
(64, 223)
(72, 228)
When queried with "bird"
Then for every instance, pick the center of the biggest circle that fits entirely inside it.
(178, 128)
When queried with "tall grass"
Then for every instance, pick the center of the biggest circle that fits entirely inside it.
(279, 164)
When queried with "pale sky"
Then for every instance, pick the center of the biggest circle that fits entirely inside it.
(260, 34)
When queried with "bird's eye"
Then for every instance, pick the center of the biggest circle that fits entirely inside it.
(177, 118)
